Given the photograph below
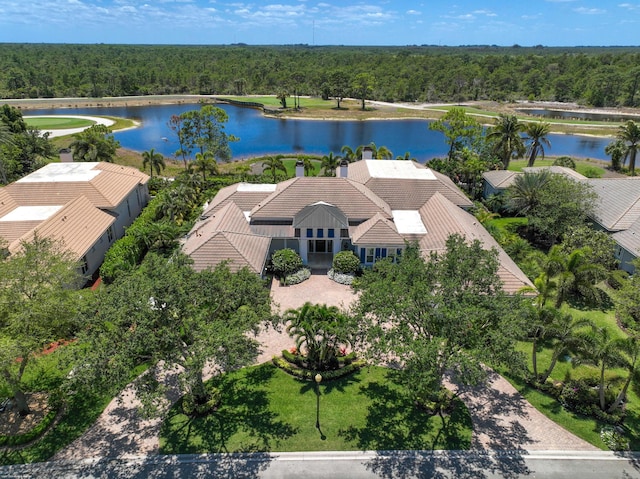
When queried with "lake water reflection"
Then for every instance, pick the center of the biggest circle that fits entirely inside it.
(259, 135)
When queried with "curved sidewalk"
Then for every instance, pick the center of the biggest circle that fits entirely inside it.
(503, 420)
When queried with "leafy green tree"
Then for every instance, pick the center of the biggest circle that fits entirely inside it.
(308, 166)
(506, 139)
(339, 85)
(37, 305)
(320, 330)
(536, 137)
(273, 164)
(282, 96)
(627, 301)
(203, 130)
(167, 312)
(629, 133)
(578, 277)
(96, 143)
(154, 160)
(460, 130)
(363, 85)
(601, 246)
(552, 203)
(448, 316)
(329, 164)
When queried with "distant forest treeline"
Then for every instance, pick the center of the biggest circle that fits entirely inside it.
(597, 76)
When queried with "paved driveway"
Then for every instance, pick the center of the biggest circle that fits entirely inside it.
(318, 289)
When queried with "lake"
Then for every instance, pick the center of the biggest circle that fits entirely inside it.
(259, 135)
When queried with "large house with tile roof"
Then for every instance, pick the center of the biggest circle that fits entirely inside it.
(373, 208)
(84, 206)
(617, 209)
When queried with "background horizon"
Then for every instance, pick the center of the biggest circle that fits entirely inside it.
(549, 23)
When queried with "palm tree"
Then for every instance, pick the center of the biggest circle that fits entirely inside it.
(524, 194)
(579, 276)
(154, 160)
(507, 142)
(564, 331)
(349, 155)
(309, 167)
(407, 157)
(629, 133)
(616, 150)
(320, 330)
(205, 162)
(377, 152)
(330, 164)
(273, 164)
(604, 351)
(630, 347)
(537, 137)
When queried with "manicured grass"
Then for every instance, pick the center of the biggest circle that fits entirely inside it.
(265, 409)
(57, 123)
(508, 224)
(272, 101)
(584, 167)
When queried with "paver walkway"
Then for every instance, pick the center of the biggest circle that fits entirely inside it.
(503, 419)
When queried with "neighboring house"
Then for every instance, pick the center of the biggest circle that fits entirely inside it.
(85, 206)
(372, 208)
(617, 209)
(618, 212)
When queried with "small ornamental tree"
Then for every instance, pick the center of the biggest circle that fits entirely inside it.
(285, 262)
(346, 262)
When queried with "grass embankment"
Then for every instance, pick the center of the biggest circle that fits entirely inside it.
(265, 409)
(588, 168)
(57, 123)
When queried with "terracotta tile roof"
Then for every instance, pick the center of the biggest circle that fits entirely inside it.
(405, 184)
(226, 236)
(629, 239)
(245, 195)
(105, 186)
(355, 200)
(77, 225)
(442, 219)
(377, 231)
(240, 250)
(7, 203)
(618, 205)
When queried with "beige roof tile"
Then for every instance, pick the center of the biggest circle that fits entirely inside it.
(77, 225)
(405, 185)
(629, 239)
(618, 205)
(228, 219)
(355, 200)
(244, 195)
(377, 231)
(500, 178)
(240, 250)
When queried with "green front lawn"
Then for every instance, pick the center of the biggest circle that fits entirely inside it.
(265, 409)
(586, 168)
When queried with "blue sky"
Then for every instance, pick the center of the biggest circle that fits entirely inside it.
(345, 22)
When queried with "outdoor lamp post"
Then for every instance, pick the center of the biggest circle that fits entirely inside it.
(318, 379)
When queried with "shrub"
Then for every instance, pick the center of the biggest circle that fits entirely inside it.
(285, 262)
(341, 278)
(192, 408)
(299, 276)
(617, 278)
(346, 262)
(613, 439)
(565, 161)
(309, 374)
(592, 172)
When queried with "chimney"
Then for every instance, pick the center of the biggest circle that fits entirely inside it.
(367, 153)
(299, 169)
(343, 169)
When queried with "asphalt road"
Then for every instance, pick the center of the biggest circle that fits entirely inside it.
(355, 465)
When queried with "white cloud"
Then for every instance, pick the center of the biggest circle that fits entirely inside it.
(413, 12)
(589, 11)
